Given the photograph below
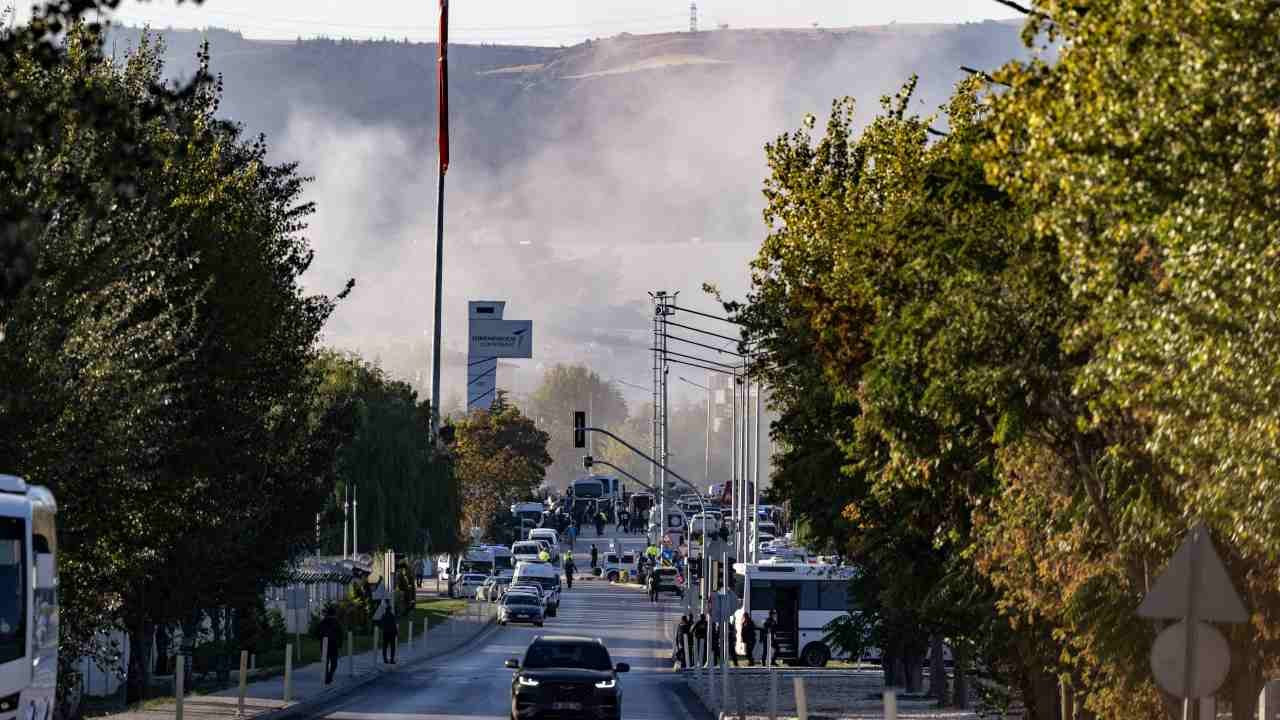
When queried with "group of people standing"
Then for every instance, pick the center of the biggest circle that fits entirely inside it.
(691, 641)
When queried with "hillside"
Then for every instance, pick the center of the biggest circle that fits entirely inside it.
(579, 173)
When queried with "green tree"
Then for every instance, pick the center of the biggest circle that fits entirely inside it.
(501, 459)
(564, 390)
(408, 497)
(156, 365)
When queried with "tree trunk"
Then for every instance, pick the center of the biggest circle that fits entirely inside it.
(961, 697)
(915, 673)
(220, 638)
(1040, 696)
(141, 634)
(161, 662)
(937, 671)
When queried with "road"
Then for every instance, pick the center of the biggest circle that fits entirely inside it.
(473, 683)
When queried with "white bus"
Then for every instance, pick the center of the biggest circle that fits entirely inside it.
(28, 601)
(531, 510)
(805, 598)
(504, 565)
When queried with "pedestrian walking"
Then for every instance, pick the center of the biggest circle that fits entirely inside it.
(716, 650)
(595, 556)
(422, 572)
(770, 639)
(573, 535)
(600, 523)
(389, 625)
(749, 633)
(653, 587)
(569, 570)
(331, 632)
(624, 518)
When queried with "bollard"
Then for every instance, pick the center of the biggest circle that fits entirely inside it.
(773, 694)
(802, 702)
(890, 704)
(244, 676)
(324, 657)
(410, 643)
(253, 661)
(351, 654)
(711, 688)
(288, 672)
(724, 687)
(179, 677)
(377, 634)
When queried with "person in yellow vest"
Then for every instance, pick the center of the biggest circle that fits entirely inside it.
(544, 556)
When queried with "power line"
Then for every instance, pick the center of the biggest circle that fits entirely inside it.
(397, 29)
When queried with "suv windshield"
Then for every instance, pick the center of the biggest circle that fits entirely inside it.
(13, 589)
(578, 655)
(546, 583)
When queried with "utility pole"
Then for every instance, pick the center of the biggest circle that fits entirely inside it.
(693, 17)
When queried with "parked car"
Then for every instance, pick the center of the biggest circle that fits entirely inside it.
(492, 590)
(566, 676)
(470, 583)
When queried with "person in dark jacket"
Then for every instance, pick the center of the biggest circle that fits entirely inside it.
(749, 637)
(684, 640)
(569, 570)
(770, 641)
(595, 556)
(717, 652)
(331, 634)
(389, 625)
(700, 639)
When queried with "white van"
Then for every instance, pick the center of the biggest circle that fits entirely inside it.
(526, 551)
(550, 535)
(545, 576)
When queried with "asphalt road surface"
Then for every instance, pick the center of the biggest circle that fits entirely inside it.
(473, 683)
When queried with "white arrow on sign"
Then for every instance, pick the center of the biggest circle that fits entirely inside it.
(1215, 598)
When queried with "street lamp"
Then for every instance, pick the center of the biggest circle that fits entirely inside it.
(707, 472)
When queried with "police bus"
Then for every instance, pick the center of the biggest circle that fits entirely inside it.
(805, 598)
(28, 601)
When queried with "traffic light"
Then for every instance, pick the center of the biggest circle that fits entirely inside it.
(588, 461)
(579, 429)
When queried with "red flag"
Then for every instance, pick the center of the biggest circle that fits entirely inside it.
(443, 83)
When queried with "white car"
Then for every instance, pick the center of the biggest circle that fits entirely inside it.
(551, 536)
(469, 583)
(526, 551)
(547, 577)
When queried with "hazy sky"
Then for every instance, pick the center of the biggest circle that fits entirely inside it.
(543, 22)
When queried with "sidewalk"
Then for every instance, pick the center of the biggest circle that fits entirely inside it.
(264, 699)
(831, 695)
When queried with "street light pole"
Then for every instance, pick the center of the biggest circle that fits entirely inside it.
(707, 472)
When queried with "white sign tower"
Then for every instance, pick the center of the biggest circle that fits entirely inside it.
(490, 338)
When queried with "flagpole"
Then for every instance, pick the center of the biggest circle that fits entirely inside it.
(443, 87)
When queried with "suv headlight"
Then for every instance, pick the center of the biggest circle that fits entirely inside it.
(606, 684)
(528, 681)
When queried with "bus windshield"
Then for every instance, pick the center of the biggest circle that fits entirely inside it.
(503, 562)
(13, 589)
(588, 489)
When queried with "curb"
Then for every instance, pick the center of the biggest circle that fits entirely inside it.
(325, 697)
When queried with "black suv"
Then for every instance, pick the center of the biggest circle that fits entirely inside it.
(563, 676)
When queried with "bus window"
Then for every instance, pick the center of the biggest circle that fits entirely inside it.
(833, 595)
(761, 596)
(809, 596)
(13, 590)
